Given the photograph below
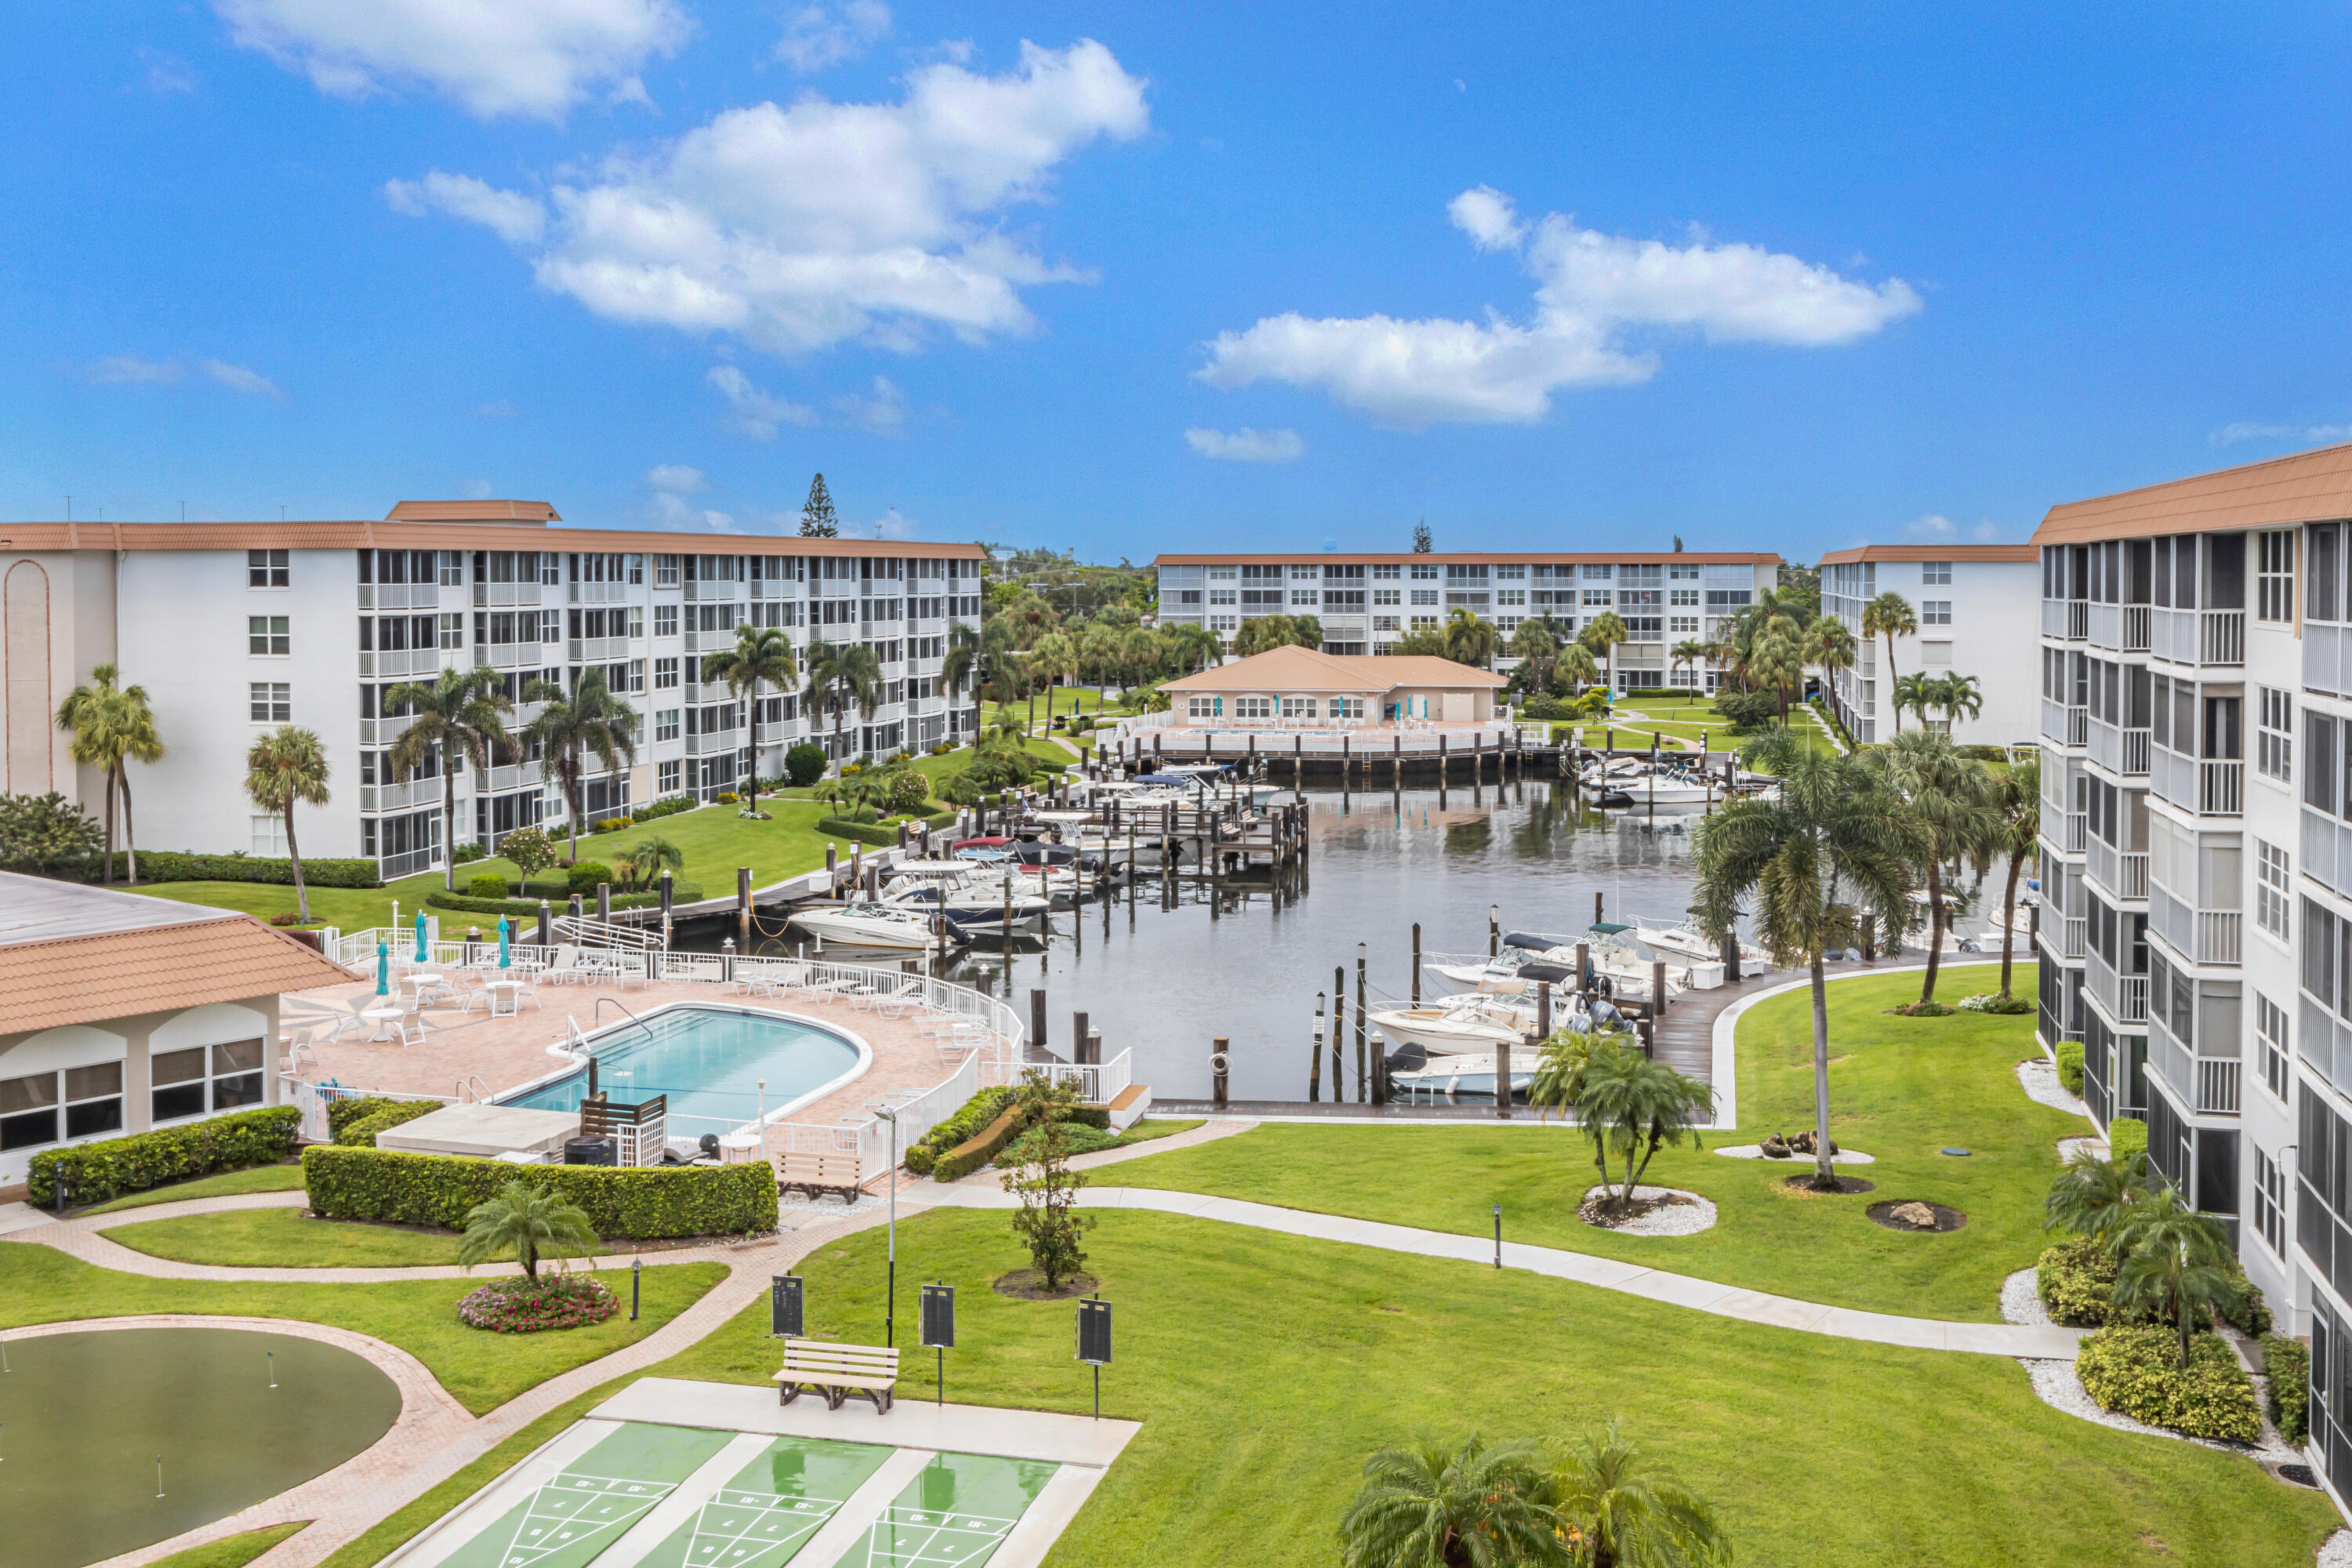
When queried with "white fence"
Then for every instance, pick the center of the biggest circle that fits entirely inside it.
(313, 1099)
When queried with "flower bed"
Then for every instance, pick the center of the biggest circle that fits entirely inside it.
(2134, 1371)
(523, 1305)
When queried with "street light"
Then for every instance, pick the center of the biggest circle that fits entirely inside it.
(890, 1310)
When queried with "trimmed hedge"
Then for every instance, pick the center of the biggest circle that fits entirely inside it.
(975, 1152)
(2077, 1281)
(2135, 1372)
(968, 1120)
(2070, 1065)
(528, 909)
(100, 1173)
(640, 1205)
(358, 1131)
(2126, 1136)
(2287, 1365)
(882, 833)
(173, 865)
(668, 807)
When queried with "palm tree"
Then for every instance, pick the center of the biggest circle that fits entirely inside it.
(1688, 653)
(648, 858)
(1625, 1510)
(1631, 1105)
(1027, 618)
(762, 656)
(960, 665)
(1575, 664)
(1054, 658)
(460, 716)
(111, 725)
(591, 720)
(1890, 615)
(1960, 697)
(1916, 691)
(1469, 639)
(2173, 1261)
(1777, 660)
(840, 674)
(2017, 798)
(285, 766)
(1431, 1506)
(1836, 832)
(1952, 800)
(2091, 1195)
(1533, 644)
(1196, 647)
(1834, 647)
(523, 1223)
(1602, 633)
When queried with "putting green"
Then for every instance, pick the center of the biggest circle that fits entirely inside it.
(565, 1522)
(767, 1513)
(957, 1511)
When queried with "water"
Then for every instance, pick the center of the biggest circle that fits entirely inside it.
(710, 1062)
(83, 1415)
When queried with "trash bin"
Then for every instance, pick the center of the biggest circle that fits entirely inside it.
(590, 1151)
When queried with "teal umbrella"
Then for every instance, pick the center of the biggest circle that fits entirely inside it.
(382, 968)
(421, 956)
(506, 959)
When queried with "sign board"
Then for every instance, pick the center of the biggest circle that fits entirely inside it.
(1094, 1332)
(786, 1316)
(939, 1317)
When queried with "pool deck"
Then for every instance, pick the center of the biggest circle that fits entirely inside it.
(508, 1052)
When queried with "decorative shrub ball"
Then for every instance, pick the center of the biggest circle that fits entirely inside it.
(520, 1306)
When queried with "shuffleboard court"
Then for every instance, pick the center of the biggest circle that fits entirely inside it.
(574, 1516)
(767, 1512)
(953, 1515)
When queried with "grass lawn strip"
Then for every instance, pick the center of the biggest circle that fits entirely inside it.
(1900, 1089)
(1264, 1369)
(481, 1371)
(767, 1511)
(286, 1178)
(230, 1551)
(289, 1239)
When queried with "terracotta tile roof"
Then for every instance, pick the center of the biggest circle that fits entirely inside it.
(1311, 670)
(329, 535)
(1963, 552)
(2305, 486)
(472, 511)
(1635, 557)
(216, 956)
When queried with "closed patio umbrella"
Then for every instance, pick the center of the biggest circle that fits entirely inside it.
(506, 934)
(420, 936)
(382, 968)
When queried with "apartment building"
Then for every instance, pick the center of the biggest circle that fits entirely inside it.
(2197, 698)
(1367, 603)
(1974, 604)
(236, 627)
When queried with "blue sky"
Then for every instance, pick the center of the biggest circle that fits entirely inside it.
(1126, 280)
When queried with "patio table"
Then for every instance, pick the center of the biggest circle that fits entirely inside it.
(383, 1018)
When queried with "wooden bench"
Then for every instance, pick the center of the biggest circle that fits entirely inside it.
(819, 1174)
(837, 1372)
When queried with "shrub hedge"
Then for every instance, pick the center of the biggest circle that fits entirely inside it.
(170, 866)
(2135, 1372)
(2287, 1365)
(882, 833)
(969, 1118)
(2070, 1065)
(583, 877)
(99, 1172)
(2126, 1136)
(2077, 1281)
(637, 1205)
(358, 1131)
(978, 1150)
(669, 805)
(1083, 1140)
(487, 885)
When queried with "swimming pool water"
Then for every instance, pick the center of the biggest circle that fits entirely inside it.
(710, 1062)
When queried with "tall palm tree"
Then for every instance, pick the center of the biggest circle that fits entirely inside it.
(460, 716)
(1834, 647)
(960, 667)
(1631, 1106)
(591, 720)
(2017, 798)
(111, 725)
(840, 674)
(1576, 664)
(1533, 642)
(1952, 800)
(1890, 615)
(1777, 661)
(1626, 1511)
(1197, 647)
(1052, 657)
(762, 656)
(1602, 633)
(1916, 691)
(525, 1223)
(284, 767)
(1469, 639)
(1960, 697)
(1432, 1505)
(2172, 1261)
(1837, 834)
(1688, 653)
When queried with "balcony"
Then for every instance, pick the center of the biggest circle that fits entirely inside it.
(777, 731)
(400, 595)
(711, 745)
(514, 776)
(2221, 936)
(597, 650)
(2221, 787)
(2107, 627)
(400, 796)
(2124, 996)
(2216, 1086)
(2135, 628)
(499, 595)
(2071, 945)
(2066, 618)
(2065, 723)
(508, 654)
(383, 731)
(410, 863)
(2214, 639)
(399, 662)
(2074, 831)
(2131, 875)
(599, 592)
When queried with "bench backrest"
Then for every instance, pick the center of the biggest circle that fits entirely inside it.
(796, 1167)
(816, 1356)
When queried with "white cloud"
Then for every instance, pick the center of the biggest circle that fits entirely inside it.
(166, 74)
(895, 524)
(882, 412)
(238, 378)
(816, 37)
(129, 370)
(477, 489)
(1590, 289)
(2247, 430)
(1934, 528)
(757, 414)
(533, 57)
(1245, 445)
(675, 479)
(671, 484)
(798, 227)
(514, 217)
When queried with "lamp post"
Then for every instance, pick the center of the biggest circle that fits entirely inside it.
(891, 1311)
(1498, 1235)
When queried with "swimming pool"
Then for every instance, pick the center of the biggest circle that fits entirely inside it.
(710, 1061)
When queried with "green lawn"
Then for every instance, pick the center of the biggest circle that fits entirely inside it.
(1264, 1369)
(1900, 1089)
(289, 1239)
(1088, 699)
(286, 1178)
(481, 1370)
(231, 1551)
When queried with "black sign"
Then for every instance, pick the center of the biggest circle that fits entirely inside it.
(939, 1317)
(1094, 1332)
(785, 1317)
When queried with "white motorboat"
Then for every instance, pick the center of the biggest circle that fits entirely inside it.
(863, 923)
(1683, 941)
(1216, 780)
(1473, 971)
(974, 900)
(1058, 883)
(1657, 790)
(1456, 1025)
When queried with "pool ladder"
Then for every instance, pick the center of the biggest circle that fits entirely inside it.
(471, 1090)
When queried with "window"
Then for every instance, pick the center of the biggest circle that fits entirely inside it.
(666, 574)
(453, 631)
(664, 674)
(2271, 884)
(1679, 625)
(1253, 707)
(1597, 595)
(453, 569)
(1346, 707)
(264, 568)
(2270, 1042)
(1221, 596)
(636, 622)
(666, 776)
(28, 1110)
(1596, 574)
(2274, 576)
(1222, 573)
(205, 1077)
(2274, 733)
(1298, 707)
(267, 634)
(1685, 596)
(1388, 595)
(1307, 573)
(270, 835)
(665, 620)
(1424, 596)
(1510, 596)
(665, 724)
(1934, 574)
(2270, 1203)
(1424, 572)
(1308, 597)
(1389, 574)
(1938, 653)
(1204, 707)
(1935, 612)
(91, 1097)
(271, 702)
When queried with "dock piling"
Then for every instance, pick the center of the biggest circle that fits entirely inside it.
(1416, 964)
(1502, 1080)
(1378, 1088)
(1037, 1017)
(1315, 1054)
(1339, 1031)
(1220, 1068)
(1493, 931)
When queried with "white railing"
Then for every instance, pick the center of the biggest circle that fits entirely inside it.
(706, 745)
(385, 731)
(401, 661)
(399, 595)
(400, 796)
(2221, 785)
(409, 862)
(2131, 999)
(2078, 620)
(2077, 831)
(2216, 1086)
(1097, 1083)
(498, 595)
(597, 649)
(2131, 875)
(313, 1099)
(2072, 942)
(2221, 936)
(599, 592)
(2135, 628)
(2222, 636)
(586, 932)
(2135, 757)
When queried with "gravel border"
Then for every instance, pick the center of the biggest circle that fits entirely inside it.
(1755, 1152)
(2088, 1144)
(1676, 1219)
(2336, 1552)
(791, 1207)
(2039, 1077)
(2020, 1301)
(2056, 1382)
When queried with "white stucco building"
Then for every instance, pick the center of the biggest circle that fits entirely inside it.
(1975, 606)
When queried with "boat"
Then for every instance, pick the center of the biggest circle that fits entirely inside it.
(970, 897)
(1456, 1025)
(1216, 779)
(1685, 943)
(866, 923)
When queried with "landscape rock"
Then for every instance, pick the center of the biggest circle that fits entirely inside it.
(1917, 1214)
(1775, 1147)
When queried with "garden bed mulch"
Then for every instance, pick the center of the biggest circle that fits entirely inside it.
(1029, 1285)
(1803, 1181)
(1946, 1219)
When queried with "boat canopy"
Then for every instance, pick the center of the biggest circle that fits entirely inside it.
(1603, 927)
